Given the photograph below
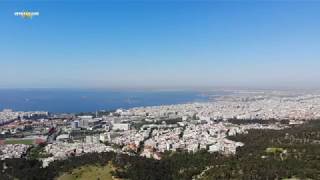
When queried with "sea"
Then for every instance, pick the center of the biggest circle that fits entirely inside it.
(80, 100)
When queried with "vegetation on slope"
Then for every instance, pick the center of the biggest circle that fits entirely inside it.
(88, 172)
(268, 154)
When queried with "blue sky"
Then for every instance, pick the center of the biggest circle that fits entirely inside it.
(160, 44)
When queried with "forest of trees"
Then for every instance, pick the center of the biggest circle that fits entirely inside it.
(267, 154)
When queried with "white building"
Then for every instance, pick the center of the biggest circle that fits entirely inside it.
(121, 126)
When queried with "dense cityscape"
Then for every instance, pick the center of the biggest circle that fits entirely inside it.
(159, 90)
(151, 131)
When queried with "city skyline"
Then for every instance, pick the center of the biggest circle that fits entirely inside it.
(160, 45)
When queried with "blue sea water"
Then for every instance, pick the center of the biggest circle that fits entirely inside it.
(73, 101)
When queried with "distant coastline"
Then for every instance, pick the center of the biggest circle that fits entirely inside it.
(82, 100)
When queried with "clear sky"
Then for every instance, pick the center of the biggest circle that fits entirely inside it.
(160, 44)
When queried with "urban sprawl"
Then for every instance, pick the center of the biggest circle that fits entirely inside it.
(151, 131)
